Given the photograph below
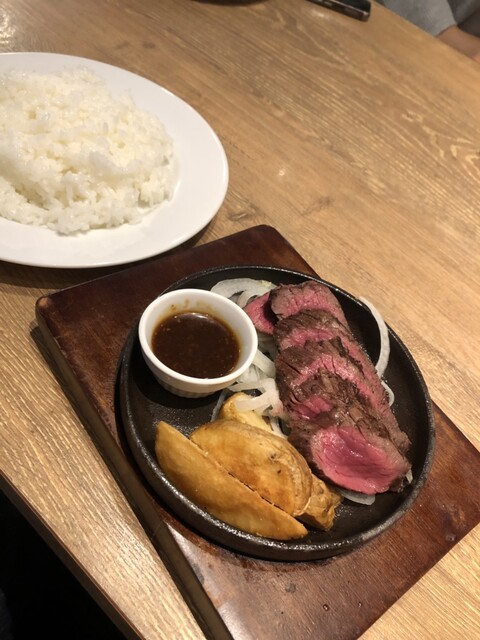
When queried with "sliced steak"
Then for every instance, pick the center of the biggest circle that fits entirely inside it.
(299, 367)
(261, 314)
(318, 326)
(322, 393)
(287, 300)
(352, 450)
(296, 365)
(311, 325)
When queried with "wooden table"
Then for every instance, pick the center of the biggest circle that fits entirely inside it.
(360, 143)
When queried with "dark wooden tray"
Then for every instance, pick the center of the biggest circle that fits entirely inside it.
(233, 595)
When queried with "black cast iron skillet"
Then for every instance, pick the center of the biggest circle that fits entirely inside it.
(143, 403)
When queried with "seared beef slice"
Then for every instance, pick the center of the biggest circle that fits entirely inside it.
(287, 300)
(311, 325)
(351, 449)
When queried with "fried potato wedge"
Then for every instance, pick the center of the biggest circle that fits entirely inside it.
(264, 461)
(209, 485)
(320, 510)
(229, 411)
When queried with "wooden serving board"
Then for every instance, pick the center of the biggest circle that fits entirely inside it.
(232, 595)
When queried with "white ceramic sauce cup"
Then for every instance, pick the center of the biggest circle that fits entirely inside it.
(201, 301)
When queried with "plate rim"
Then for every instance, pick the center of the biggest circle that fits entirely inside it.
(36, 245)
(249, 544)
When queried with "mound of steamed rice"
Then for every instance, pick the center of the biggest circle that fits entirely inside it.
(73, 158)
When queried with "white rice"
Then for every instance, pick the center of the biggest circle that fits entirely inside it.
(74, 158)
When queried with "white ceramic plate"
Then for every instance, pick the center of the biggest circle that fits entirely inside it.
(201, 185)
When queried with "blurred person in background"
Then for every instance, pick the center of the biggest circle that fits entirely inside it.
(455, 22)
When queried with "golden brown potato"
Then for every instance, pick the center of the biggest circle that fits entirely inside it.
(229, 411)
(320, 510)
(209, 485)
(265, 462)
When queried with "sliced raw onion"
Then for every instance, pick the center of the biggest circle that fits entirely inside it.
(390, 394)
(265, 364)
(246, 385)
(219, 404)
(384, 355)
(248, 287)
(255, 403)
(254, 292)
(356, 496)
(267, 401)
(251, 376)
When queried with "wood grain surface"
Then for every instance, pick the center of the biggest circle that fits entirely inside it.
(360, 143)
(338, 597)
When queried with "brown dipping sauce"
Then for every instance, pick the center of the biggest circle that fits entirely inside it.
(196, 344)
